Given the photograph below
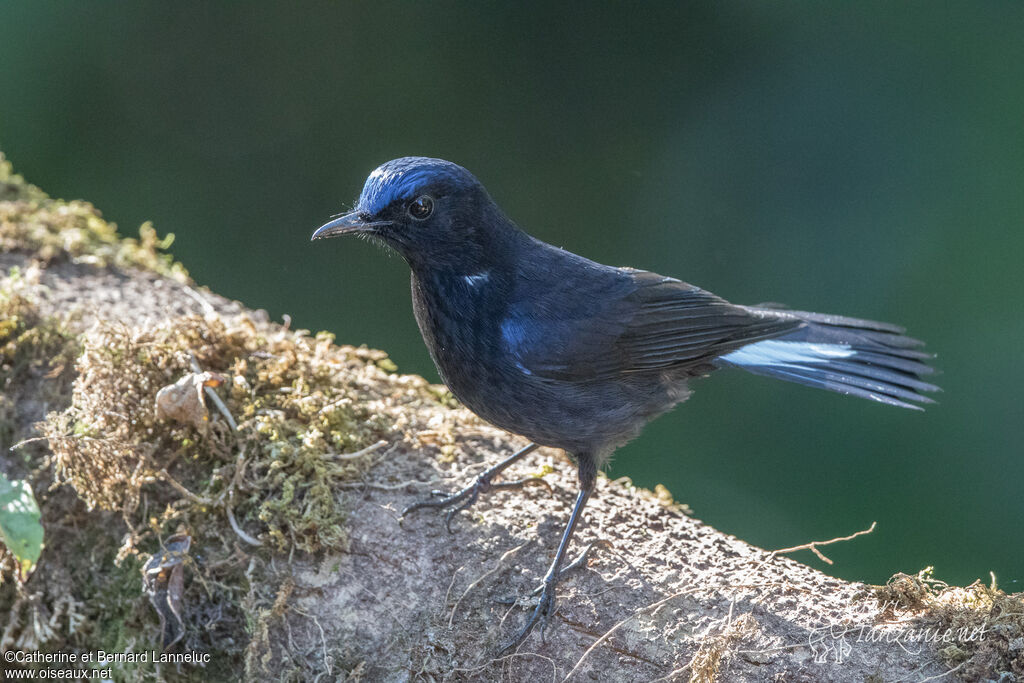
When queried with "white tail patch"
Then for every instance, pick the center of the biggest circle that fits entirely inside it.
(773, 352)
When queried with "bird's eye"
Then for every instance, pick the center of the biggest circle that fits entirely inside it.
(421, 207)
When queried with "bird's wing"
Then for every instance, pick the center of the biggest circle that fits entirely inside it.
(631, 321)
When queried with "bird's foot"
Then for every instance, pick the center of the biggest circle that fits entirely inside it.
(461, 500)
(545, 608)
(578, 563)
(542, 613)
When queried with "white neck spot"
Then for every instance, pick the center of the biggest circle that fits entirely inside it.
(478, 279)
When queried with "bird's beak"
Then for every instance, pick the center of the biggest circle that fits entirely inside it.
(349, 224)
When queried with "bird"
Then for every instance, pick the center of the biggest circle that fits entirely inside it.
(576, 355)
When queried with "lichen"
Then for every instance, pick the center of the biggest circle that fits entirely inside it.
(54, 229)
(988, 622)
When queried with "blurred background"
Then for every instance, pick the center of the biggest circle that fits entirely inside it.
(858, 158)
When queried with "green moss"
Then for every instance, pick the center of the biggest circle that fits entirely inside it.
(34, 349)
(298, 400)
(116, 616)
(14, 188)
(29, 341)
(53, 229)
(293, 409)
(988, 622)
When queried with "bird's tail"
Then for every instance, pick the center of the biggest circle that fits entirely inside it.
(858, 357)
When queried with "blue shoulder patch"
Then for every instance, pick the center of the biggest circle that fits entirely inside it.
(516, 338)
(406, 178)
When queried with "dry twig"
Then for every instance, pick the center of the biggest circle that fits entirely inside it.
(813, 545)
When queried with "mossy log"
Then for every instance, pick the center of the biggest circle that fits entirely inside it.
(295, 565)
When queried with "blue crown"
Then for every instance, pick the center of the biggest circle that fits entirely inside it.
(408, 177)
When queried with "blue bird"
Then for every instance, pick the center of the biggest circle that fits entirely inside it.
(578, 355)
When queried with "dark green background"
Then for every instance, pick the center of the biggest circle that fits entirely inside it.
(859, 158)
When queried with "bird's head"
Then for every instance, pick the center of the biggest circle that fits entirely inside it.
(432, 212)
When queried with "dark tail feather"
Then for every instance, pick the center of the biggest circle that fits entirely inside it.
(858, 357)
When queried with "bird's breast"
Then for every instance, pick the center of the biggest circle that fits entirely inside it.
(460, 323)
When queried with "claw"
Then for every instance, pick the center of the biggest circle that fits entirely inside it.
(543, 612)
(579, 563)
(474, 493)
(472, 499)
(581, 559)
(466, 497)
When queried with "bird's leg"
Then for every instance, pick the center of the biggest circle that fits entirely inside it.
(578, 563)
(467, 496)
(546, 606)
